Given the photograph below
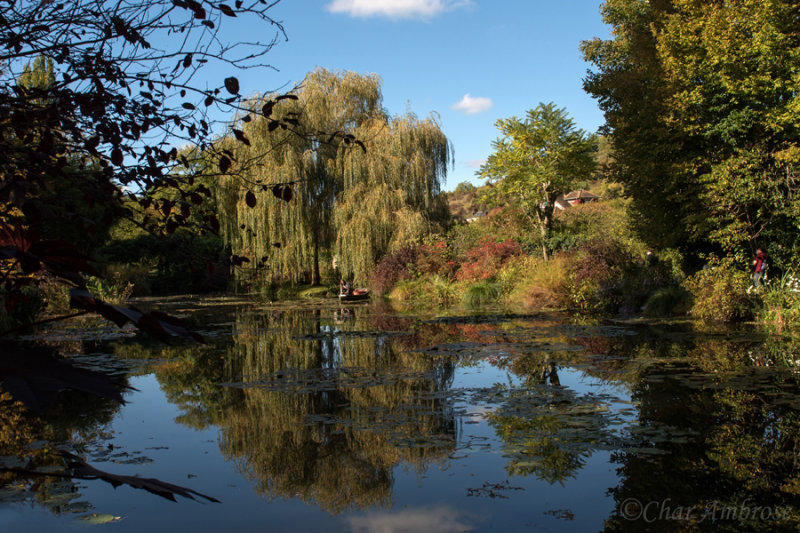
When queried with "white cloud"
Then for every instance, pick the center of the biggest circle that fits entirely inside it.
(434, 520)
(475, 163)
(395, 8)
(470, 105)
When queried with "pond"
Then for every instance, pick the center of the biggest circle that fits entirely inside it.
(315, 417)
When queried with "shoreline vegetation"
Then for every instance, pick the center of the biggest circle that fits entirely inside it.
(611, 224)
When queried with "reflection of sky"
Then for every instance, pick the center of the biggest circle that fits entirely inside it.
(442, 519)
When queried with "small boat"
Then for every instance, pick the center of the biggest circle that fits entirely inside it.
(356, 296)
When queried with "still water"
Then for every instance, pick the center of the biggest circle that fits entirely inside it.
(316, 417)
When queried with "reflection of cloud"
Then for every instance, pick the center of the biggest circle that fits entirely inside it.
(432, 520)
(395, 8)
(475, 163)
(470, 105)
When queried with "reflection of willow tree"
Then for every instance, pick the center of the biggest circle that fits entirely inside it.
(327, 414)
(728, 436)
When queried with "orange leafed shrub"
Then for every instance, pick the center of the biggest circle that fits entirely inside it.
(486, 259)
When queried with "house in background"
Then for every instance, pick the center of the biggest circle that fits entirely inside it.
(565, 201)
(475, 216)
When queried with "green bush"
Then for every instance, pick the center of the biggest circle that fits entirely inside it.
(136, 274)
(55, 296)
(482, 294)
(112, 290)
(667, 301)
(426, 292)
(719, 293)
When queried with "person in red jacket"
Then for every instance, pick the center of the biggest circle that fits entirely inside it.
(760, 264)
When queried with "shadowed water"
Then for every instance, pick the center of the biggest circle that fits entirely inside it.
(315, 417)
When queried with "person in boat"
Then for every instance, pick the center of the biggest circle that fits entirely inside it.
(345, 288)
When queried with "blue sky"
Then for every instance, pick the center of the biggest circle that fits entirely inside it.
(507, 55)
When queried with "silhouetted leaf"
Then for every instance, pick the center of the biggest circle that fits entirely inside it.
(232, 85)
(240, 136)
(227, 10)
(214, 224)
(197, 9)
(224, 164)
(187, 105)
(250, 199)
(287, 194)
(116, 156)
(238, 260)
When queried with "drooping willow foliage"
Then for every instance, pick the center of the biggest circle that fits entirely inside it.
(367, 186)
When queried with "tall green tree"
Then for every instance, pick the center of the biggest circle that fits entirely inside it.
(370, 186)
(629, 84)
(700, 101)
(535, 160)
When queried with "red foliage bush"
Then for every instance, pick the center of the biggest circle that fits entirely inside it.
(600, 275)
(393, 268)
(486, 259)
(436, 258)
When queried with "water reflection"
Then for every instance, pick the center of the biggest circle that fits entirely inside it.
(323, 409)
(28, 449)
(331, 407)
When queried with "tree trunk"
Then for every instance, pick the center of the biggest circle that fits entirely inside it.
(545, 253)
(543, 223)
(315, 276)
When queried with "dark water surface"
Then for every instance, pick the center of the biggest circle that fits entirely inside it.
(315, 417)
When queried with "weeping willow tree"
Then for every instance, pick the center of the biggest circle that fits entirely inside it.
(339, 176)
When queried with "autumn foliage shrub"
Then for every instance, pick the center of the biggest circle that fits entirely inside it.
(539, 284)
(394, 267)
(485, 260)
(437, 259)
(597, 274)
